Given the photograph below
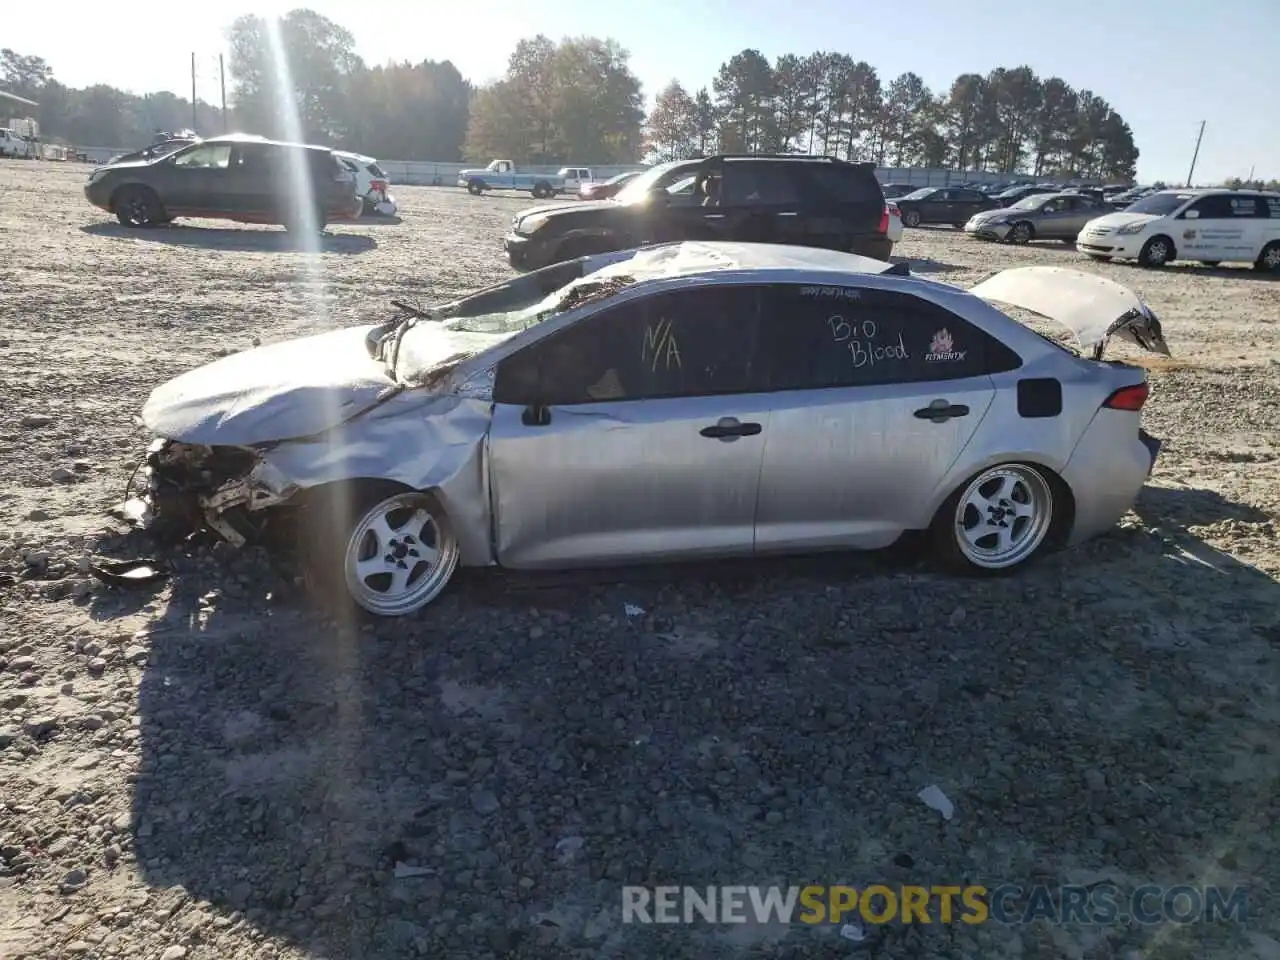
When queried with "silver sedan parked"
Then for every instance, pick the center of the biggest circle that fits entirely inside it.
(1044, 216)
(682, 401)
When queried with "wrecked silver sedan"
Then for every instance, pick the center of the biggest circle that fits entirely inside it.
(675, 402)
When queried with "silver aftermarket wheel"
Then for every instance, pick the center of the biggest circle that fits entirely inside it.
(400, 555)
(1002, 517)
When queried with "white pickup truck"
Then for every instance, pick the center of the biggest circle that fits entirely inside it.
(503, 175)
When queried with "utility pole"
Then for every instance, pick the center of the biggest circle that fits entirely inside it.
(1195, 156)
(193, 92)
(222, 83)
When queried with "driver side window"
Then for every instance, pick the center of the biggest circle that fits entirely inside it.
(210, 157)
(679, 344)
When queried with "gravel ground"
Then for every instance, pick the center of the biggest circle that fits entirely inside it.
(211, 770)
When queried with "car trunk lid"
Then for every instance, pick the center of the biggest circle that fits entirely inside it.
(1093, 308)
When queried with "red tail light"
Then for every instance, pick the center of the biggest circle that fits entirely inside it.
(1129, 398)
(884, 220)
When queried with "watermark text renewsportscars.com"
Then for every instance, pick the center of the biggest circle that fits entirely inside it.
(881, 904)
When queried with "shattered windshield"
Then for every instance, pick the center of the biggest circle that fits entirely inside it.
(429, 344)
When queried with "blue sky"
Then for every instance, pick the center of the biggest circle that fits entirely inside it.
(1165, 66)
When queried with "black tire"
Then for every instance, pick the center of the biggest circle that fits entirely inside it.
(911, 218)
(137, 206)
(1269, 259)
(327, 523)
(475, 187)
(1211, 263)
(1100, 257)
(542, 190)
(1157, 252)
(1022, 232)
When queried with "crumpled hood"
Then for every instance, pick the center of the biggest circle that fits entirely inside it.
(291, 389)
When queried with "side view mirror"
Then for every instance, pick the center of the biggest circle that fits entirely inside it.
(536, 414)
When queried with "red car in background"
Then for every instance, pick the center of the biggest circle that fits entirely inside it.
(607, 188)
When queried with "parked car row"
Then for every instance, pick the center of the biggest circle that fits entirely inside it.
(240, 177)
(1211, 226)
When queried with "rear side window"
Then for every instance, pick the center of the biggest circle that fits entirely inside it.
(752, 182)
(1273, 207)
(825, 337)
(846, 184)
(376, 170)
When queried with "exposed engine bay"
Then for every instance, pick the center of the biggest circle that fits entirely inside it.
(181, 488)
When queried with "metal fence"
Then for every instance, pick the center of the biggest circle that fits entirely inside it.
(427, 173)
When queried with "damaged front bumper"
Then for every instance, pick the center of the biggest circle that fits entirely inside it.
(185, 487)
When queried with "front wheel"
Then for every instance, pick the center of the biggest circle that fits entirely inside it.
(389, 550)
(138, 207)
(475, 188)
(1156, 252)
(1269, 259)
(1021, 233)
(998, 520)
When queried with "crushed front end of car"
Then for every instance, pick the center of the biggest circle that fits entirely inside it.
(182, 488)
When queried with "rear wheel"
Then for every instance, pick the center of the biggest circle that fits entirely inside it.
(1156, 252)
(1211, 263)
(911, 218)
(998, 520)
(1269, 260)
(475, 188)
(138, 207)
(542, 191)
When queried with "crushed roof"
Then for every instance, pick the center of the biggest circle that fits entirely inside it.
(695, 257)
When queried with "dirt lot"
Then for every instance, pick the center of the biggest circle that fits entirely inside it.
(209, 770)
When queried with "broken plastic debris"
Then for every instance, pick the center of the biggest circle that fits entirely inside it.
(568, 848)
(631, 610)
(854, 932)
(128, 573)
(935, 799)
(406, 870)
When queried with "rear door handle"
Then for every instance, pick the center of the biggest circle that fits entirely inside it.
(713, 216)
(729, 429)
(789, 213)
(940, 411)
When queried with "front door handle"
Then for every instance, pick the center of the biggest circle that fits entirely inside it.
(729, 429)
(940, 411)
(713, 216)
(789, 213)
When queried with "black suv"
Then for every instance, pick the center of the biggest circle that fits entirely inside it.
(800, 200)
(242, 178)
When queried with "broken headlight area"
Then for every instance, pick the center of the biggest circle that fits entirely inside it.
(182, 488)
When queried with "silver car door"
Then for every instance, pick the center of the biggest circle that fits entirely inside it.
(876, 395)
(630, 436)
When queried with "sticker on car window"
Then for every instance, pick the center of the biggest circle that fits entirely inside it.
(834, 293)
(943, 348)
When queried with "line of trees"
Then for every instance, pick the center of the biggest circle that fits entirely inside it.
(578, 101)
(1009, 120)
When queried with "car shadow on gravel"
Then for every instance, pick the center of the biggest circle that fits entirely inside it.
(523, 753)
(234, 239)
(925, 265)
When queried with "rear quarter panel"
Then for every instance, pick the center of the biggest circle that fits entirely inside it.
(1007, 435)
